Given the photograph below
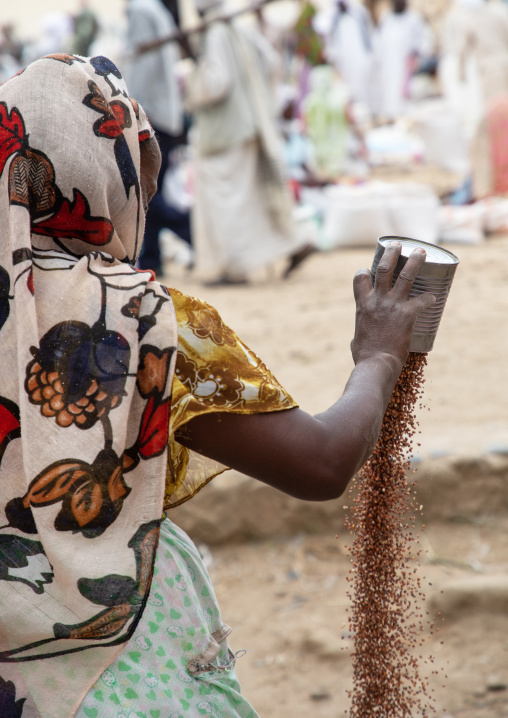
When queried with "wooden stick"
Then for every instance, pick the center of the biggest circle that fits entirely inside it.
(184, 34)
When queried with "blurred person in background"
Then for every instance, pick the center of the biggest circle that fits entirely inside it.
(86, 28)
(400, 39)
(11, 51)
(329, 121)
(152, 80)
(473, 72)
(242, 218)
(9, 43)
(349, 49)
(55, 36)
(306, 48)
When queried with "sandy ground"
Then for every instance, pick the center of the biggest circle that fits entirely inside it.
(286, 598)
(287, 604)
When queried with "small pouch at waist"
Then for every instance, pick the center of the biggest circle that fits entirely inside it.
(204, 662)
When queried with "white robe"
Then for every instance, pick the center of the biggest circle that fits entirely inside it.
(349, 50)
(397, 38)
(233, 229)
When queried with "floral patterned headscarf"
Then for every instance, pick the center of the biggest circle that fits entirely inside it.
(87, 350)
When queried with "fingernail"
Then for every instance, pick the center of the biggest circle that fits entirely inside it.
(419, 250)
(395, 244)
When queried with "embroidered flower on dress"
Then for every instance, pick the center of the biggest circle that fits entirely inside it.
(206, 323)
(186, 370)
(218, 385)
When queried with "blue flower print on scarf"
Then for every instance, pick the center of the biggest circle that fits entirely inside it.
(78, 373)
(104, 67)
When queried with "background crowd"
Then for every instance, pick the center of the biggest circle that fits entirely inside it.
(274, 124)
(352, 169)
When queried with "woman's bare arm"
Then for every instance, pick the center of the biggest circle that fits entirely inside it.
(314, 457)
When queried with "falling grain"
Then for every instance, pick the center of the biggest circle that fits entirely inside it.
(387, 615)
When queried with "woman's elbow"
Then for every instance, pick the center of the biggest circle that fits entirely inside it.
(333, 475)
(325, 484)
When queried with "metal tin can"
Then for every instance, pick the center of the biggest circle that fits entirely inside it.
(436, 277)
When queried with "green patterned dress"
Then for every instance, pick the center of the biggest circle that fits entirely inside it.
(159, 674)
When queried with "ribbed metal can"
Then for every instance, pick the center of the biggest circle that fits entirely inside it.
(435, 276)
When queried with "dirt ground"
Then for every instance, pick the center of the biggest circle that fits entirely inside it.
(286, 598)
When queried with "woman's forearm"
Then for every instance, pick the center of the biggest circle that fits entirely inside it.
(309, 457)
(352, 424)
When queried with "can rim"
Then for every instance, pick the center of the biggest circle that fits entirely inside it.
(436, 249)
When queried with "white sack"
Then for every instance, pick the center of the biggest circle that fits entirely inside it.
(358, 215)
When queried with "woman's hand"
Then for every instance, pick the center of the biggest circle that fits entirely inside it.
(385, 317)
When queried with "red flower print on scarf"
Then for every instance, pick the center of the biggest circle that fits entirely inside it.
(12, 133)
(152, 379)
(10, 427)
(154, 427)
(144, 134)
(112, 127)
(153, 433)
(32, 185)
(73, 220)
(115, 117)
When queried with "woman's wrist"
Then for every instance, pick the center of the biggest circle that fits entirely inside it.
(381, 362)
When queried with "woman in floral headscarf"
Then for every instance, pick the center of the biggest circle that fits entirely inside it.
(112, 393)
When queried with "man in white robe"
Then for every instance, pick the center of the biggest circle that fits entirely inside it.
(349, 49)
(401, 36)
(242, 217)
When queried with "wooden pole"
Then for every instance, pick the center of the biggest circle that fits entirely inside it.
(182, 35)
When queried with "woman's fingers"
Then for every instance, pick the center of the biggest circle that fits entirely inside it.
(386, 266)
(385, 317)
(362, 284)
(408, 273)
